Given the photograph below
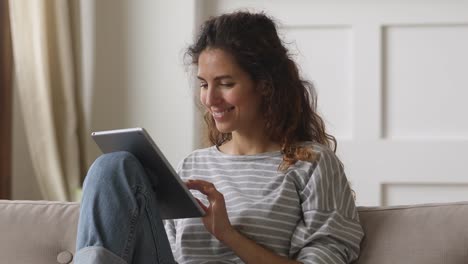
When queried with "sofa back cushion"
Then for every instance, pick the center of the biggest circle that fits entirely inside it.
(416, 234)
(44, 232)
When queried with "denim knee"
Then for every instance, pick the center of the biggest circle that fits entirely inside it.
(114, 159)
(105, 167)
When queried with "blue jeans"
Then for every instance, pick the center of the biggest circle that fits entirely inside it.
(119, 218)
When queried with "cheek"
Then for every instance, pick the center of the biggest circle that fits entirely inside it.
(251, 101)
(234, 98)
(202, 98)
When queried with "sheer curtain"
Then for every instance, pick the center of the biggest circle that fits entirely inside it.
(46, 79)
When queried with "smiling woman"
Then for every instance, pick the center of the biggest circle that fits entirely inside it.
(272, 188)
(229, 93)
(5, 102)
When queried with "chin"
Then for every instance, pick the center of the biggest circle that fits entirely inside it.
(224, 129)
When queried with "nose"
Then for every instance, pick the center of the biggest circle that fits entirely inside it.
(211, 96)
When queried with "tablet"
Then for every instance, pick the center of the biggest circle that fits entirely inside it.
(173, 197)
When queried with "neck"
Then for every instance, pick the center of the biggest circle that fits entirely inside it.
(254, 143)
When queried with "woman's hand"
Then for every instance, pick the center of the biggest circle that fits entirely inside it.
(216, 220)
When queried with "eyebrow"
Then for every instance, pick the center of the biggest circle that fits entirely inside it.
(217, 78)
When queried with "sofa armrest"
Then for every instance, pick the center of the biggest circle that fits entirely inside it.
(37, 231)
(416, 234)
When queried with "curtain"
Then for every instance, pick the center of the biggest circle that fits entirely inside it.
(46, 79)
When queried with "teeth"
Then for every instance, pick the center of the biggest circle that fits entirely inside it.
(220, 114)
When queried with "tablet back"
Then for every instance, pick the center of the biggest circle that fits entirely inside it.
(173, 197)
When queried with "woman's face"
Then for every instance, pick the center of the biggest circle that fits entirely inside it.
(228, 93)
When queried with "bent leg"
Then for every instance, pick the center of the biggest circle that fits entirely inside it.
(118, 204)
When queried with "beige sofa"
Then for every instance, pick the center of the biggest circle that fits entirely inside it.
(36, 232)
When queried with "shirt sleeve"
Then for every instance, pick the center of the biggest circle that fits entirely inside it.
(329, 231)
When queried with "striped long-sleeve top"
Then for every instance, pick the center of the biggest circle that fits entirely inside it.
(305, 213)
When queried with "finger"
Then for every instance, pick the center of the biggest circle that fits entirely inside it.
(193, 185)
(202, 186)
(206, 188)
(198, 183)
(202, 205)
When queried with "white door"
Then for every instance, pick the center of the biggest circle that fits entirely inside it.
(392, 81)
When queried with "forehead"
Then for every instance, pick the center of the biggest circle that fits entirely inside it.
(214, 62)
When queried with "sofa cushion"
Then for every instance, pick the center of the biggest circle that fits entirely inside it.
(416, 234)
(44, 232)
(37, 231)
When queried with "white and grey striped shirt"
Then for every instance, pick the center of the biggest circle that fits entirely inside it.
(306, 212)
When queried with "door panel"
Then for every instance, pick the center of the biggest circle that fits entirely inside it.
(392, 86)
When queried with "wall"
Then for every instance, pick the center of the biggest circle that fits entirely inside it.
(132, 75)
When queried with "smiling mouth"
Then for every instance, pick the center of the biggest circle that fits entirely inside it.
(219, 114)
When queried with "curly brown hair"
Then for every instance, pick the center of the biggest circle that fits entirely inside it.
(289, 103)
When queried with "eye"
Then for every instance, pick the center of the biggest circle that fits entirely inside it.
(203, 85)
(227, 84)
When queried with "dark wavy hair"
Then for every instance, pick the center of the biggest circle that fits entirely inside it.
(289, 103)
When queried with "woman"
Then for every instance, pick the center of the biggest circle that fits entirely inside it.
(272, 188)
